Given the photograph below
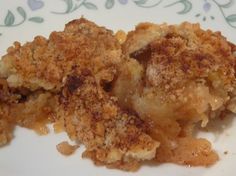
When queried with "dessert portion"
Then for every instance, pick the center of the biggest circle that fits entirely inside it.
(176, 77)
(127, 103)
(66, 80)
(111, 136)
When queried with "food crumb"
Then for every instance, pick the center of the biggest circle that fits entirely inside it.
(120, 36)
(226, 152)
(66, 149)
(40, 129)
(58, 126)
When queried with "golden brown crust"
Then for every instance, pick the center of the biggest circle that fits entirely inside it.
(44, 63)
(180, 54)
(111, 136)
(178, 79)
(6, 125)
(176, 76)
(65, 79)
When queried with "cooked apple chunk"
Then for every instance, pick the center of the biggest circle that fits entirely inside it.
(177, 76)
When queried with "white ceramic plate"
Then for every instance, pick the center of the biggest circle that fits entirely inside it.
(29, 154)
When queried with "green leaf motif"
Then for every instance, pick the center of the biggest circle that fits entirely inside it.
(36, 19)
(9, 19)
(21, 11)
(90, 6)
(69, 4)
(231, 18)
(109, 4)
(227, 5)
(140, 2)
(187, 6)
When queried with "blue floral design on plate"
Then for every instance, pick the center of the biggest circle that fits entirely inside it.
(35, 4)
(205, 13)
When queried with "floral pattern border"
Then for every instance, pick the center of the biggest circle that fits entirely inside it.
(73, 5)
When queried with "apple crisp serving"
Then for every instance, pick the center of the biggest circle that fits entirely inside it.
(177, 76)
(128, 99)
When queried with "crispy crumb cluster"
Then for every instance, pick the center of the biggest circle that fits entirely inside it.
(6, 125)
(66, 80)
(177, 76)
(176, 55)
(111, 136)
(128, 99)
(45, 63)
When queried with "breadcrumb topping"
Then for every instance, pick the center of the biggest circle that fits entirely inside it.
(177, 76)
(65, 79)
(127, 98)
